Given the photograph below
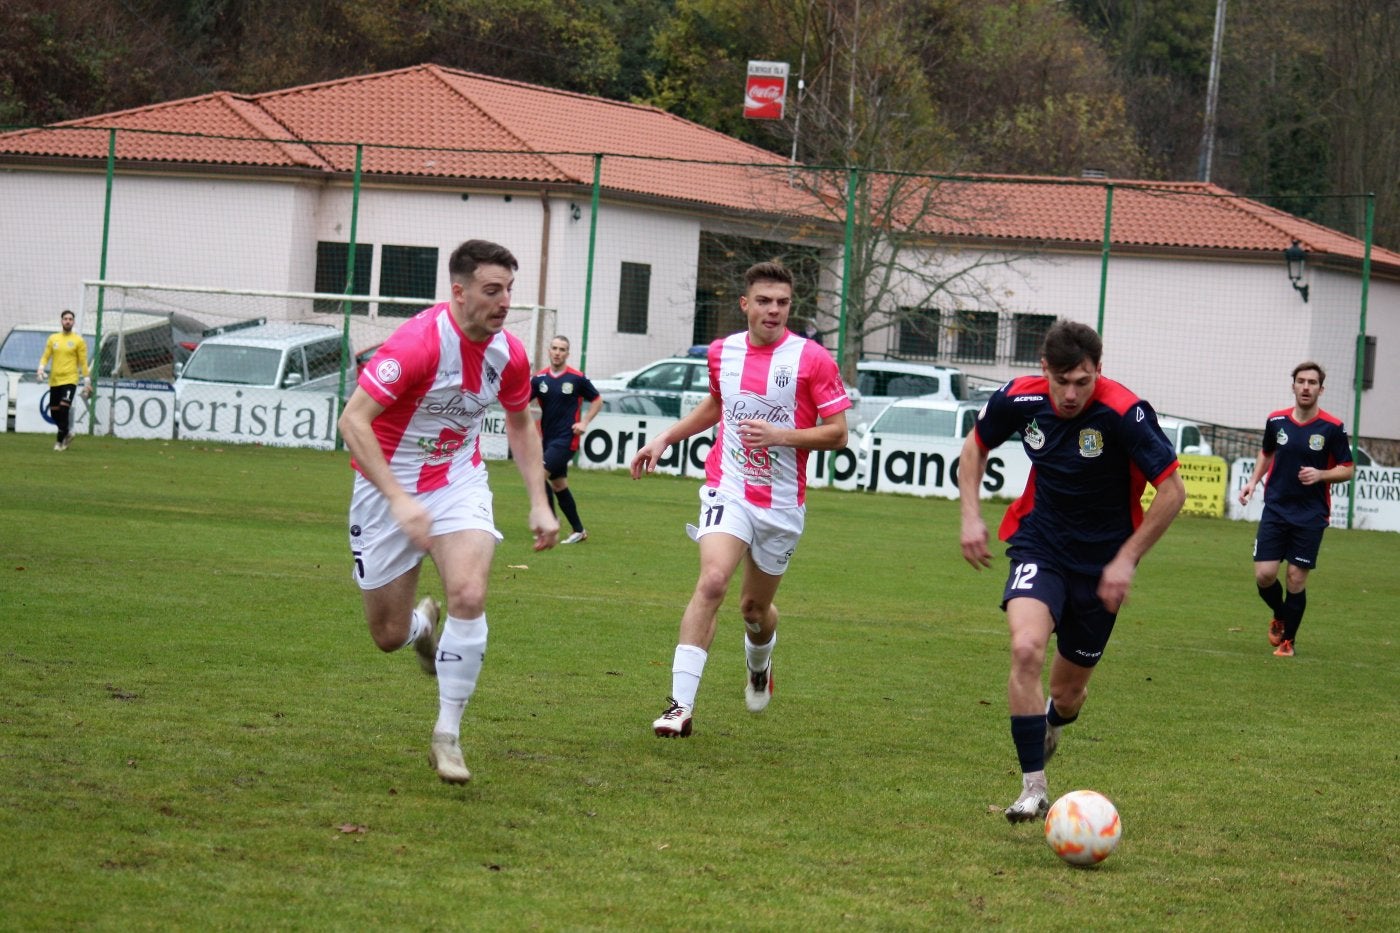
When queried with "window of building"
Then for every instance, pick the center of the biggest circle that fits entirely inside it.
(634, 298)
(407, 272)
(332, 262)
(918, 333)
(1030, 335)
(977, 336)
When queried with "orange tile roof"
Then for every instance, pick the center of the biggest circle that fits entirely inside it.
(434, 122)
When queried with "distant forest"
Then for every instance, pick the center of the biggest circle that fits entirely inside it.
(1307, 108)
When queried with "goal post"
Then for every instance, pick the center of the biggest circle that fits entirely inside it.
(286, 391)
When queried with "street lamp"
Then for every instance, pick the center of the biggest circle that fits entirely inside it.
(1297, 259)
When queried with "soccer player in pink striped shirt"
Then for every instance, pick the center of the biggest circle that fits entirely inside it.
(412, 428)
(774, 396)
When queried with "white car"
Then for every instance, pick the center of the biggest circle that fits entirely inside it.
(280, 355)
(678, 383)
(882, 382)
(918, 420)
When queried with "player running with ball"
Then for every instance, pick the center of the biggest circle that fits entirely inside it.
(1076, 534)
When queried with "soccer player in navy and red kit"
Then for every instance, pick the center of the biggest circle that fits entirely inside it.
(775, 396)
(1305, 451)
(1076, 534)
(560, 391)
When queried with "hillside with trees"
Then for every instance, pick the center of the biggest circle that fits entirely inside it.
(1309, 91)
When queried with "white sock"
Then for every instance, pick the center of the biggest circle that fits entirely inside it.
(416, 627)
(757, 655)
(460, 653)
(685, 673)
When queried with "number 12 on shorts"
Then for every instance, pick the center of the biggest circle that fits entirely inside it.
(1023, 575)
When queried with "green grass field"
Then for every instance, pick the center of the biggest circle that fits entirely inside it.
(197, 733)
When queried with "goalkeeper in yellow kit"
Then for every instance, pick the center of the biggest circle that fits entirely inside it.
(68, 353)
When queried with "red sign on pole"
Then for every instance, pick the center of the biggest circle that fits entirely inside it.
(765, 92)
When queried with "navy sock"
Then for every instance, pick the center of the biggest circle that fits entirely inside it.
(1053, 717)
(1028, 732)
(1291, 615)
(566, 505)
(1273, 595)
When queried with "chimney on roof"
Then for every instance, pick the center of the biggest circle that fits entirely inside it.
(1093, 173)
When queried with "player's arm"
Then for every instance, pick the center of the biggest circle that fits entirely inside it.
(525, 449)
(594, 407)
(1341, 473)
(1261, 469)
(972, 466)
(1117, 577)
(700, 418)
(357, 428)
(828, 433)
(44, 360)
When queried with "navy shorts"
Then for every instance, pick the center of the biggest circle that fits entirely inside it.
(556, 458)
(1082, 622)
(1281, 540)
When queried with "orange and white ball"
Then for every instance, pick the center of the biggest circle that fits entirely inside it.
(1083, 827)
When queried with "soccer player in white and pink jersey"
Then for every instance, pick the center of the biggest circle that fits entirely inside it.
(412, 428)
(775, 396)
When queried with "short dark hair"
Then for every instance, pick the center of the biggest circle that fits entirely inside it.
(1069, 343)
(1321, 373)
(561, 337)
(473, 253)
(67, 312)
(771, 271)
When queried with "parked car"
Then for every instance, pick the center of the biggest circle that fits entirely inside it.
(918, 419)
(279, 355)
(679, 383)
(631, 405)
(881, 382)
(136, 344)
(1185, 435)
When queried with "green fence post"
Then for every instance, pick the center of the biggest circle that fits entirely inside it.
(592, 246)
(1104, 252)
(346, 356)
(1360, 367)
(91, 401)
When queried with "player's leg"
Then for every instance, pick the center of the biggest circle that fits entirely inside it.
(60, 409)
(1269, 543)
(386, 568)
(463, 559)
(760, 633)
(1030, 623)
(776, 536)
(556, 464)
(1302, 558)
(722, 534)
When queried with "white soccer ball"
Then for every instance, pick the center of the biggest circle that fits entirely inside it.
(1083, 827)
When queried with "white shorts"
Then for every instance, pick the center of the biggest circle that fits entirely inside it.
(771, 534)
(382, 551)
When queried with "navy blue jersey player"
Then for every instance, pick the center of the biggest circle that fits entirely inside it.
(560, 390)
(1076, 534)
(1305, 451)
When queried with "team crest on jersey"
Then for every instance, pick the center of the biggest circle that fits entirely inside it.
(388, 371)
(1282, 437)
(1035, 438)
(782, 375)
(567, 388)
(491, 375)
(1315, 441)
(1090, 442)
(543, 386)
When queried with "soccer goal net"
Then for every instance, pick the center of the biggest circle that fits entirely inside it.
(275, 368)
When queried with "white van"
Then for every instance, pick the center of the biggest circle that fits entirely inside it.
(280, 355)
(135, 345)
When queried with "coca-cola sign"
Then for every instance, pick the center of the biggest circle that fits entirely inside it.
(765, 91)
